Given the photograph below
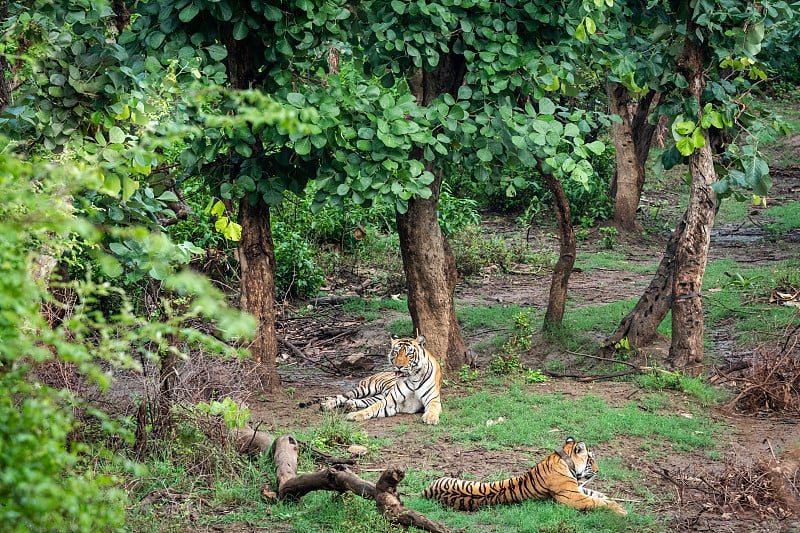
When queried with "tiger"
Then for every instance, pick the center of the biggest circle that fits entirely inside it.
(413, 386)
(561, 476)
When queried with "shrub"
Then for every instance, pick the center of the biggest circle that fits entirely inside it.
(296, 273)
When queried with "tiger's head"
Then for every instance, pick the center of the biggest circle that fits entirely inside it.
(578, 459)
(406, 355)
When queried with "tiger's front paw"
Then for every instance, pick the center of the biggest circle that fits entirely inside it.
(351, 405)
(431, 418)
(328, 405)
(617, 507)
(357, 416)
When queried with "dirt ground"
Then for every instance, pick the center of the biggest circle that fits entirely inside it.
(752, 438)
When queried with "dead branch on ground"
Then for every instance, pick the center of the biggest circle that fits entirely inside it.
(768, 487)
(339, 478)
(772, 380)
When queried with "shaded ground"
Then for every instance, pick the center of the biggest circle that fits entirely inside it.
(750, 439)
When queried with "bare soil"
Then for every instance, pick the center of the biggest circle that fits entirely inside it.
(753, 438)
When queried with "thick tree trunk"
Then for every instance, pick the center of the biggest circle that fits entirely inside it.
(428, 260)
(686, 350)
(566, 257)
(256, 256)
(632, 139)
(430, 270)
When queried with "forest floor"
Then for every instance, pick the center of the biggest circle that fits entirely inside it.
(752, 439)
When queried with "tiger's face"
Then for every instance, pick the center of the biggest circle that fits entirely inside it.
(583, 459)
(406, 355)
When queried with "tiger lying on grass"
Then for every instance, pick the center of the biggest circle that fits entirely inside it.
(413, 386)
(557, 476)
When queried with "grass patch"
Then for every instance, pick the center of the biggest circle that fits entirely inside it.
(731, 211)
(784, 218)
(610, 260)
(545, 420)
(370, 309)
(739, 294)
(581, 327)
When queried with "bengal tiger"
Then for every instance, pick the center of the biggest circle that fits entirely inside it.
(561, 476)
(413, 386)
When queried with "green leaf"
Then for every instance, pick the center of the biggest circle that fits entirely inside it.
(296, 99)
(272, 13)
(671, 157)
(302, 146)
(591, 27)
(580, 32)
(597, 147)
(129, 186)
(232, 231)
(240, 30)
(111, 184)
(546, 106)
(685, 146)
(698, 139)
(116, 135)
(188, 13)
(217, 52)
(155, 39)
(684, 127)
(484, 155)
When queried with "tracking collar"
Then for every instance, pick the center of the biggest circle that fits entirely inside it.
(567, 459)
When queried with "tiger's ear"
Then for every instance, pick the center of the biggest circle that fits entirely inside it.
(395, 337)
(579, 448)
(421, 340)
(569, 439)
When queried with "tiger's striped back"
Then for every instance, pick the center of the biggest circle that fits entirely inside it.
(557, 476)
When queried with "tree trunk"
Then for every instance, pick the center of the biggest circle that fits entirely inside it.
(430, 270)
(566, 258)
(640, 325)
(428, 260)
(256, 255)
(691, 256)
(255, 249)
(632, 139)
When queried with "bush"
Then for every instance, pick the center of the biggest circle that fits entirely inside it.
(296, 273)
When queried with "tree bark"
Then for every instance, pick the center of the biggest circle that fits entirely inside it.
(640, 325)
(559, 283)
(428, 260)
(632, 140)
(256, 256)
(691, 256)
(255, 249)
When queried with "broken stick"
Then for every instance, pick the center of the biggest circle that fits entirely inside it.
(339, 478)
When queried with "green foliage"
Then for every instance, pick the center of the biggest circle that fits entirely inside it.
(468, 374)
(232, 413)
(455, 213)
(474, 252)
(295, 270)
(507, 360)
(608, 237)
(693, 386)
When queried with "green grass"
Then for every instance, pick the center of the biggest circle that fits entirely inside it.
(544, 420)
(370, 308)
(784, 218)
(611, 260)
(738, 294)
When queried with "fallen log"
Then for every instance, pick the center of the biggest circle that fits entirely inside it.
(390, 505)
(339, 478)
